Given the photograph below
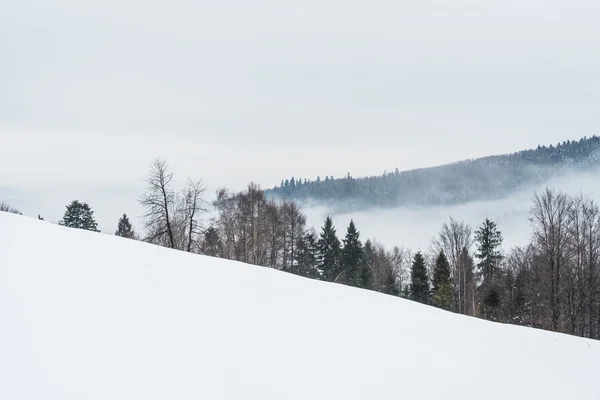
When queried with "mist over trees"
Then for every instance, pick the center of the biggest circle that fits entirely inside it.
(552, 282)
(486, 178)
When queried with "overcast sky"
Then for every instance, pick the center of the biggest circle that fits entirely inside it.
(233, 91)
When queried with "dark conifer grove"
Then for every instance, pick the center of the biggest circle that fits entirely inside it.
(454, 183)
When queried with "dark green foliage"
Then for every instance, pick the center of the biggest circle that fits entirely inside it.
(353, 258)
(328, 252)
(419, 282)
(489, 240)
(391, 285)
(369, 252)
(366, 276)
(369, 260)
(306, 255)
(442, 292)
(124, 228)
(80, 216)
(454, 183)
(211, 243)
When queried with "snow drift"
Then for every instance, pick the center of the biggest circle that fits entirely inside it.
(89, 316)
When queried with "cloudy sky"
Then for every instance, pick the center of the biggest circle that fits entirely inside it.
(233, 91)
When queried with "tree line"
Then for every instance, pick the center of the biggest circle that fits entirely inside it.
(551, 283)
(454, 183)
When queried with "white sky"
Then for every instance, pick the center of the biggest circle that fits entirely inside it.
(234, 91)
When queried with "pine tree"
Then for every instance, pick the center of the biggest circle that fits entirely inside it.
(353, 258)
(211, 243)
(369, 252)
(124, 228)
(306, 255)
(489, 239)
(391, 284)
(328, 252)
(80, 216)
(366, 277)
(442, 285)
(419, 283)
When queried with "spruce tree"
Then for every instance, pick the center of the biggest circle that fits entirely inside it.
(489, 239)
(328, 252)
(442, 285)
(391, 283)
(306, 255)
(124, 228)
(419, 283)
(353, 258)
(366, 277)
(80, 216)
(211, 243)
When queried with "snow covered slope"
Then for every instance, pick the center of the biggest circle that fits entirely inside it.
(89, 316)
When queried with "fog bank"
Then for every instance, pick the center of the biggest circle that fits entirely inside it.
(413, 227)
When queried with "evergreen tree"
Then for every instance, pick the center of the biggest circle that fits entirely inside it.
(419, 283)
(353, 258)
(391, 284)
(328, 252)
(80, 216)
(306, 255)
(369, 252)
(211, 243)
(442, 285)
(124, 228)
(489, 239)
(367, 264)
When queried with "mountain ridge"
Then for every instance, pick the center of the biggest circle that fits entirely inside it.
(490, 177)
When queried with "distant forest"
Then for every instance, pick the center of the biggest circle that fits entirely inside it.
(486, 178)
(552, 282)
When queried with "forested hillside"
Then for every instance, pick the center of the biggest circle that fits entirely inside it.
(551, 282)
(485, 178)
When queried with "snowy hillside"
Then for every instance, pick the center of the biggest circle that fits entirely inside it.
(89, 316)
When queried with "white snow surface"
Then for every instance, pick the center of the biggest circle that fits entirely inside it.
(89, 316)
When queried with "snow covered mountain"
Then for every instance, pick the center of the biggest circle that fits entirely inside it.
(90, 316)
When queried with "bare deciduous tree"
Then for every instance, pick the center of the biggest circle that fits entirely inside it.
(159, 203)
(550, 219)
(191, 209)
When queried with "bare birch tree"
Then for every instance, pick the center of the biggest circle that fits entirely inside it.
(159, 204)
(550, 219)
(192, 207)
